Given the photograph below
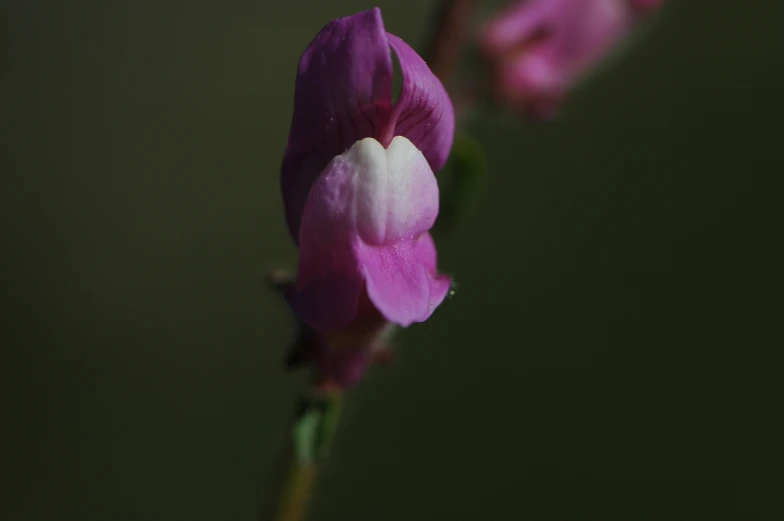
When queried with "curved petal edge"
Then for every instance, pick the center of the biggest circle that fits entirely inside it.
(342, 94)
(424, 111)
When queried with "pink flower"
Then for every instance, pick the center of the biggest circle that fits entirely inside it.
(357, 177)
(541, 48)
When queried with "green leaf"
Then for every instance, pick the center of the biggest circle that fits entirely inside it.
(459, 181)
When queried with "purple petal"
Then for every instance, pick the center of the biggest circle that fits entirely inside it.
(426, 252)
(518, 23)
(329, 281)
(589, 30)
(401, 279)
(361, 224)
(424, 111)
(397, 282)
(327, 300)
(439, 284)
(342, 94)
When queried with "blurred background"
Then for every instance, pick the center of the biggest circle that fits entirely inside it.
(613, 351)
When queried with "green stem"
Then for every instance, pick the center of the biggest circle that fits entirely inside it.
(311, 436)
(296, 492)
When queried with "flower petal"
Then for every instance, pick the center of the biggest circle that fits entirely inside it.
(328, 299)
(362, 223)
(397, 194)
(329, 281)
(401, 279)
(342, 94)
(439, 284)
(397, 283)
(518, 23)
(424, 111)
(589, 30)
(536, 82)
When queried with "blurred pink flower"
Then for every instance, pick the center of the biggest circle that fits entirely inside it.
(541, 48)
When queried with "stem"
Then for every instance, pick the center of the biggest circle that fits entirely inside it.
(451, 22)
(311, 435)
(296, 492)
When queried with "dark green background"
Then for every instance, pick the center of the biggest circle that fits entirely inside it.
(612, 353)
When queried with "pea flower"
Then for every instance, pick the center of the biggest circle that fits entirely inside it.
(357, 181)
(541, 48)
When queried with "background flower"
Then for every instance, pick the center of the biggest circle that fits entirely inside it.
(540, 48)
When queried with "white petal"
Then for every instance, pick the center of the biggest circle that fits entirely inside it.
(395, 191)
